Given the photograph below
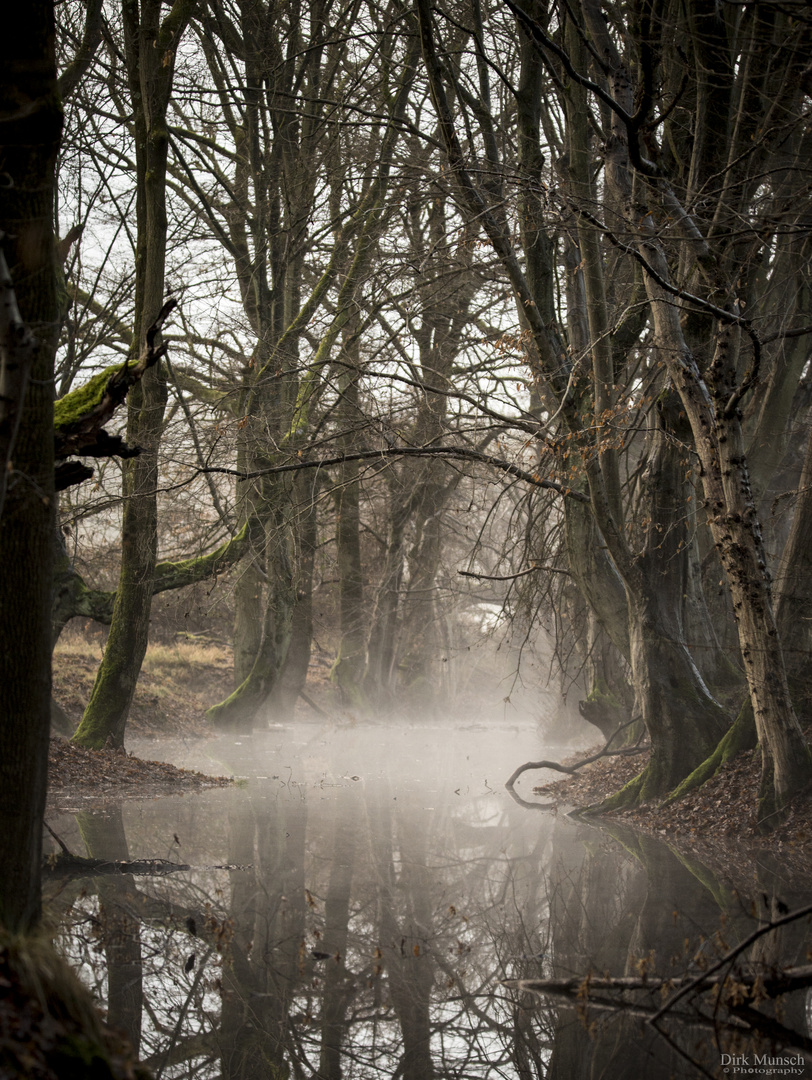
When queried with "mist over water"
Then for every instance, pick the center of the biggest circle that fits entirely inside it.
(351, 907)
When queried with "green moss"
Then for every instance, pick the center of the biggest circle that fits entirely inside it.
(740, 737)
(239, 707)
(64, 1031)
(629, 795)
(104, 717)
(174, 575)
(602, 695)
(74, 406)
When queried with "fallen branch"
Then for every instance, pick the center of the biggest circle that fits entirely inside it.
(730, 956)
(638, 1010)
(77, 866)
(590, 992)
(627, 751)
(773, 983)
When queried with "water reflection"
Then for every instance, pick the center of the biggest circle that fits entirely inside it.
(352, 911)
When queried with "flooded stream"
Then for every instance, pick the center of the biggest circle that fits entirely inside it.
(352, 907)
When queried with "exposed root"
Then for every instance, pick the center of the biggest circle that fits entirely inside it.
(629, 795)
(739, 738)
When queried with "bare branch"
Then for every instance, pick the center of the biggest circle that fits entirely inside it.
(627, 751)
(460, 453)
(513, 577)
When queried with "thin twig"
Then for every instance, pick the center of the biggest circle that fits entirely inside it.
(731, 955)
(65, 849)
(512, 577)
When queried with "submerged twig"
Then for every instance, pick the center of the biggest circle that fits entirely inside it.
(590, 992)
(65, 849)
(731, 955)
(75, 865)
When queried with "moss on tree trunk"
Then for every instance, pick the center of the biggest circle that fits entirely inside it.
(150, 73)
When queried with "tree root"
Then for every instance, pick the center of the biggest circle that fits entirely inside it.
(629, 795)
(740, 737)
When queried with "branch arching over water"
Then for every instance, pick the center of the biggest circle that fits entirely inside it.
(572, 769)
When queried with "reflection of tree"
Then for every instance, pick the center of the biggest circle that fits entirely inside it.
(338, 984)
(119, 930)
(362, 943)
(265, 959)
(405, 915)
(654, 920)
(364, 934)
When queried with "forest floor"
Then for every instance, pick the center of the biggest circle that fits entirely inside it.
(74, 772)
(177, 684)
(715, 824)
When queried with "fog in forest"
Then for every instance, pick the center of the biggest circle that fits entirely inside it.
(406, 539)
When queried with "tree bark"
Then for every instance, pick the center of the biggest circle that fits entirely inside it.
(347, 672)
(150, 46)
(734, 525)
(293, 677)
(31, 116)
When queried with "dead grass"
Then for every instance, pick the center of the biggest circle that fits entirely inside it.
(78, 646)
(185, 653)
(177, 683)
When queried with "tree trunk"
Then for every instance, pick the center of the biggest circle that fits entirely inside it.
(596, 575)
(385, 621)
(293, 677)
(733, 520)
(793, 587)
(31, 118)
(241, 707)
(684, 721)
(347, 672)
(105, 718)
(150, 53)
(248, 588)
(421, 660)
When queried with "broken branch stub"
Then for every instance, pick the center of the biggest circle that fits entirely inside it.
(80, 416)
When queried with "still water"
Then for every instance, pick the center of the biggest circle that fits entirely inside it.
(353, 907)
